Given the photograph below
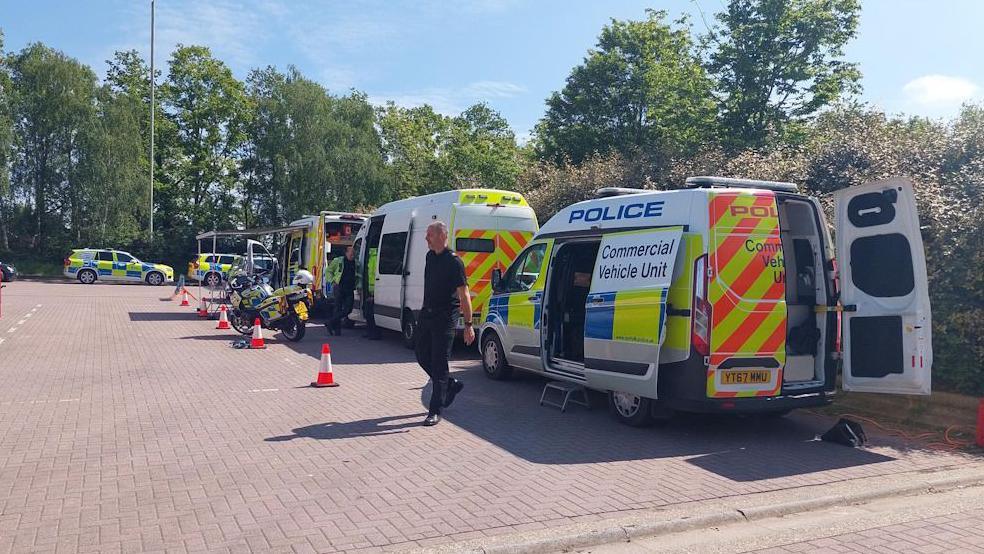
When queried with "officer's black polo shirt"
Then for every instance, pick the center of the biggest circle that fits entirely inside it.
(443, 274)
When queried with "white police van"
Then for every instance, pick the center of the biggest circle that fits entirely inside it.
(724, 296)
(486, 229)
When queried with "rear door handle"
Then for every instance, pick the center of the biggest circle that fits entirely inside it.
(597, 300)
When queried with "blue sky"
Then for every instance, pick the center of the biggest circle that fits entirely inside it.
(918, 56)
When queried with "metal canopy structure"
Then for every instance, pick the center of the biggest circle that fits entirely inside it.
(259, 231)
(215, 235)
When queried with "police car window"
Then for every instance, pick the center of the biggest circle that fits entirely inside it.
(121, 257)
(104, 256)
(474, 245)
(226, 260)
(523, 273)
(391, 253)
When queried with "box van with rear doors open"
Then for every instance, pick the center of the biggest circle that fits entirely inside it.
(724, 296)
(486, 229)
(322, 238)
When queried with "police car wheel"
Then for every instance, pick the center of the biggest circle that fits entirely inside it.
(87, 276)
(494, 358)
(155, 279)
(213, 280)
(630, 409)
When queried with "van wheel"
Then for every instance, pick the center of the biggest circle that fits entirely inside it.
(494, 358)
(409, 330)
(87, 276)
(630, 409)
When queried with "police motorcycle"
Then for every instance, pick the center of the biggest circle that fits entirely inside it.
(285, 309)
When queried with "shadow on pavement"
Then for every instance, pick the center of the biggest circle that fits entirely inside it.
(190, 315)
(741, 448)
(363, 428)
(795, 458)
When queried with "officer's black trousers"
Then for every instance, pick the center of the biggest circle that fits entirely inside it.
(434, 339)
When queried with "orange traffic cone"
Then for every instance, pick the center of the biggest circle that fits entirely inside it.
(202, 309)
(325, 376)
(257, 341)
(184, 298)
(223, 318)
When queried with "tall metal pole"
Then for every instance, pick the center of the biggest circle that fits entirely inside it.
(152, 120)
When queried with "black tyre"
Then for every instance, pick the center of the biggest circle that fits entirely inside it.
(409, 332)
(242, 324)
(87, 276)
(630, 409)
(155, 279)
(213, 280)
(293, 329)
(494, 358)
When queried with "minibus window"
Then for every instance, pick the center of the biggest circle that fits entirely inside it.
(391, 253)
(474, 245)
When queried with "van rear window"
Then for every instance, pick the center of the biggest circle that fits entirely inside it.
(474, 245)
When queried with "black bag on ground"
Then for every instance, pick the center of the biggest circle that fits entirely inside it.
(846, 432)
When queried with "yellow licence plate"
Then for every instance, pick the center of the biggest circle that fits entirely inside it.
(301, 310)
(746, 377)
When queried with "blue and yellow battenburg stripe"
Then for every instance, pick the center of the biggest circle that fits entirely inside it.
(635, 315)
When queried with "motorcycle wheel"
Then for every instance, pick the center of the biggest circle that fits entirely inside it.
(294, 329)
(241, 323)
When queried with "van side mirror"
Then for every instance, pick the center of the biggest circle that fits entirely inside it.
(497, 280)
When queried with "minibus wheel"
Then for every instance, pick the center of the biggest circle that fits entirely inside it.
(630, 409)
(409, 330)
(494, 358)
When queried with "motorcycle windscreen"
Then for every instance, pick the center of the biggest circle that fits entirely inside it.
(625, 312)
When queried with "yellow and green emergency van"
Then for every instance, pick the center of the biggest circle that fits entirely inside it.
(312, 243)
(89, 265)
(212, 269)
(723, 296)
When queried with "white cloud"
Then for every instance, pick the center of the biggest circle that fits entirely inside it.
(451, 100)
(939, 91)
(235, 32)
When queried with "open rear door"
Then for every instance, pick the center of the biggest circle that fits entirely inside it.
(886, 327)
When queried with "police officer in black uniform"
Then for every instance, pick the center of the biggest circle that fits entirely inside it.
(445, 297)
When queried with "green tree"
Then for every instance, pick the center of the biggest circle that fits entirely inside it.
(430, 152)
(642, 89)
(309, 151)
(53, 102)
(482, 149)
(112, 170)
(6, 145)
(777, 62)
(208, 109)
(414, 143)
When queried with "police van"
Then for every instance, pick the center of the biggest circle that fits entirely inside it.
(486, 229)
(723, 296)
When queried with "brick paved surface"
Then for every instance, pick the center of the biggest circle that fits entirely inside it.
(945, 534)
(126, 424)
